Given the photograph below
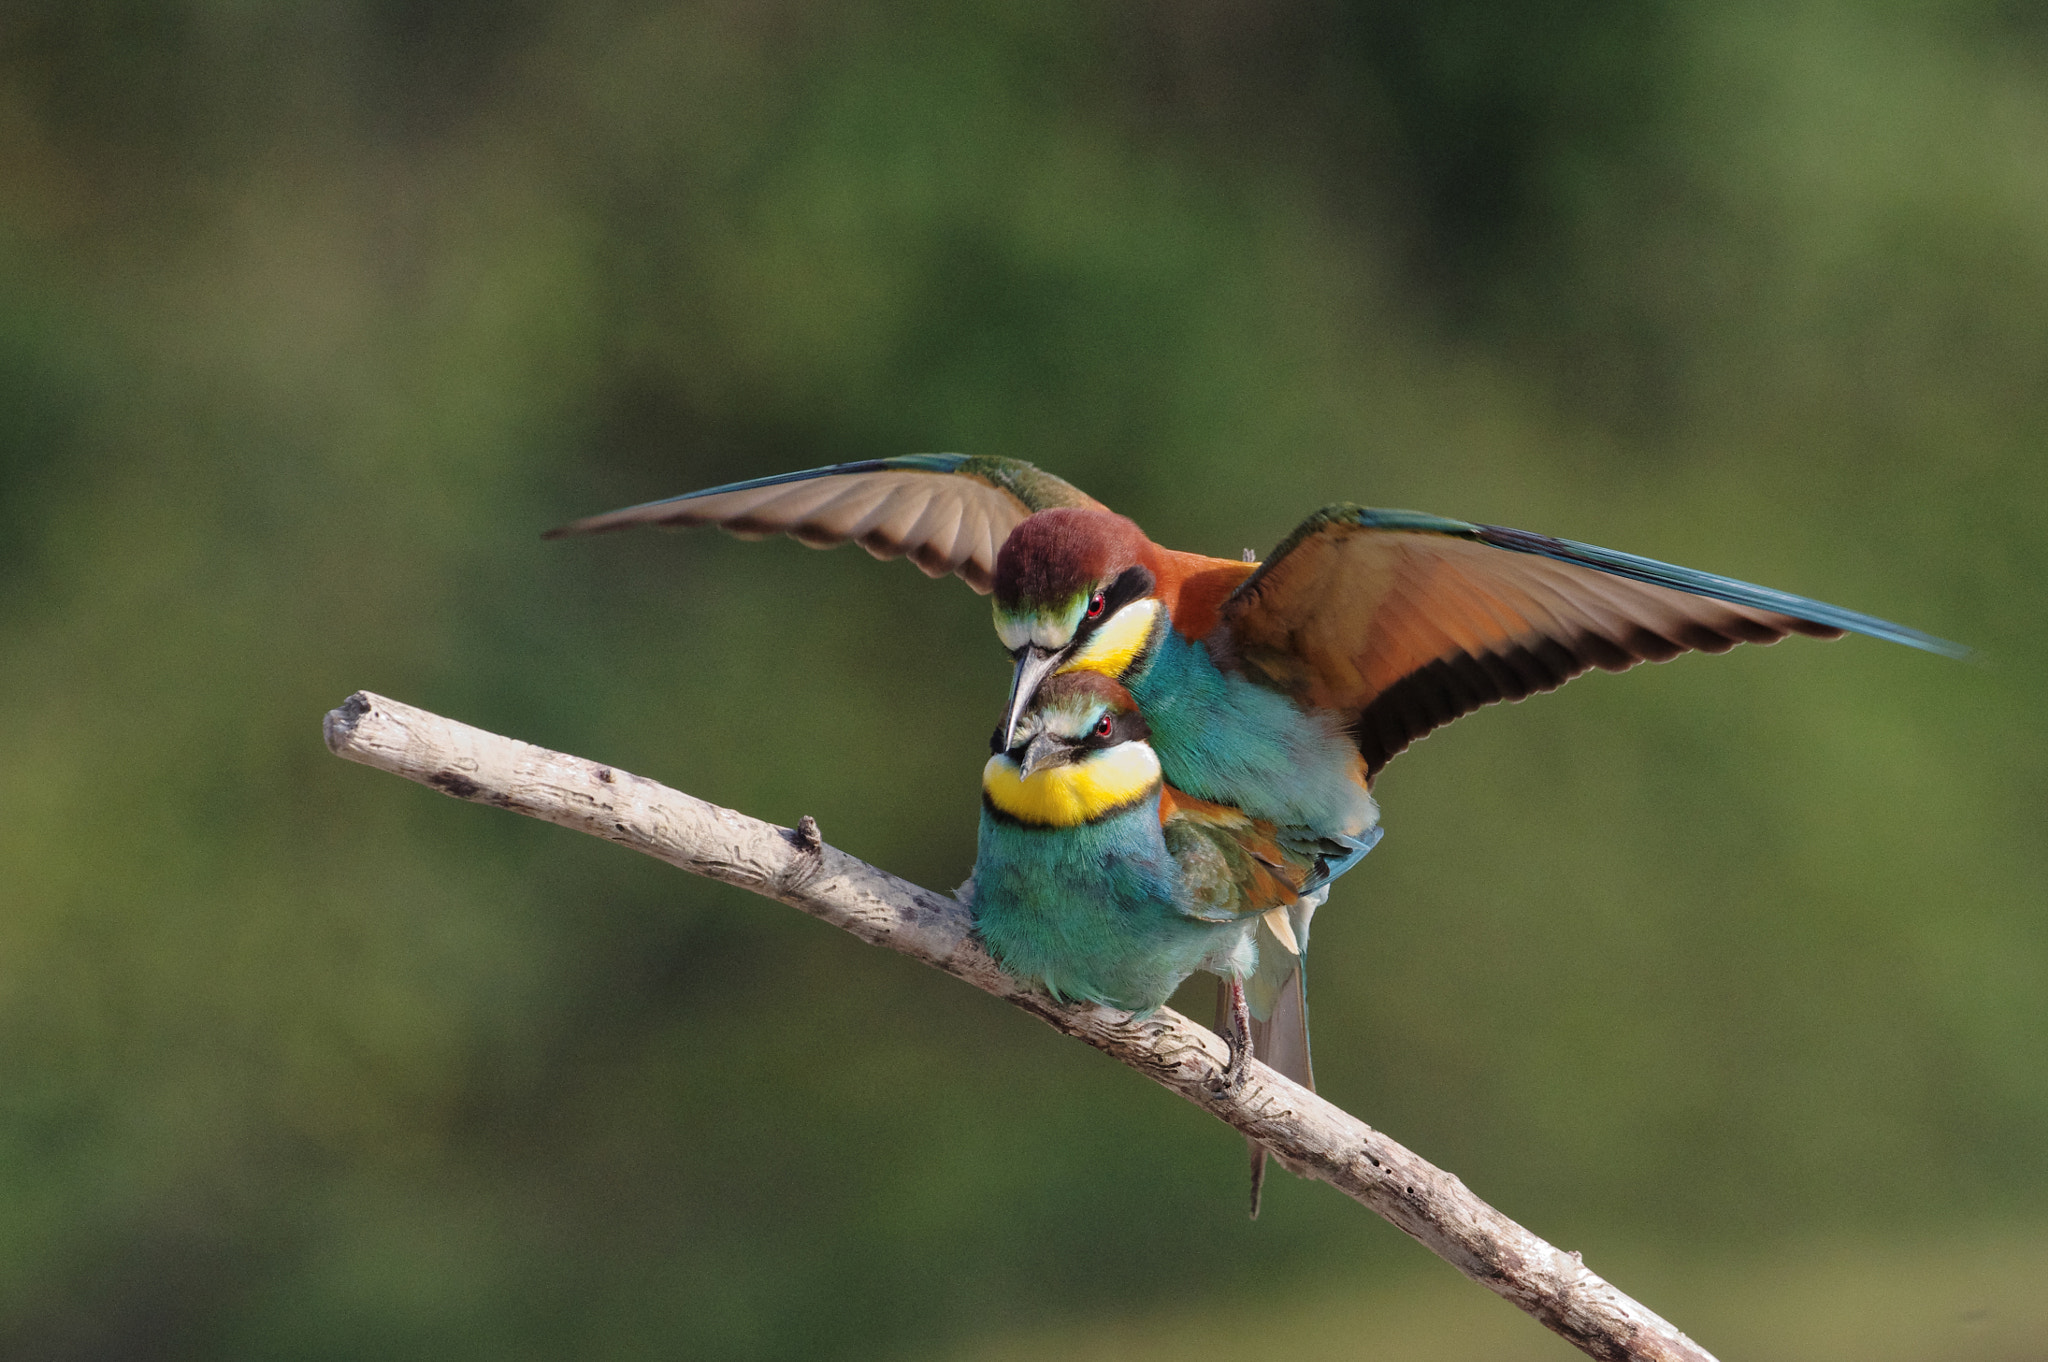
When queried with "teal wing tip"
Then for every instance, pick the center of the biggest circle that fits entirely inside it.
(1715, 586)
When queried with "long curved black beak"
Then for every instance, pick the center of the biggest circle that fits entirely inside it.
(1032, 668)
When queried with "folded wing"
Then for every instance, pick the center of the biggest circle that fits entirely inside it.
(1231, 864)
(1409, 621)
(948, 513)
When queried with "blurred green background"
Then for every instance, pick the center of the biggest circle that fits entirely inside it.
(1732, 974)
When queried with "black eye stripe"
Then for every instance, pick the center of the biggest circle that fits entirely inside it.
(1127, 727)
(1131, 584)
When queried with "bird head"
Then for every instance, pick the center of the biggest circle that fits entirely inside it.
(1080, 752)
(1072, 593)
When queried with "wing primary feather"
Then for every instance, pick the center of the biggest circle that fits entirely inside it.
(887, 530)
(803, 513)
(958, 546)
(931, 539)
(1031, 488)
(650, 512)
(1694, 582)
(946, 512)
(844, 516)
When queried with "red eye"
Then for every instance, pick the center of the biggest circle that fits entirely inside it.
(1095, 604)
(1105, 726)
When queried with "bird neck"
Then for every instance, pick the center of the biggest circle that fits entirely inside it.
(1194, 587)
(1070, 794)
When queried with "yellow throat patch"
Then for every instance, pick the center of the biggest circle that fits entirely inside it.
(1074, 792)
(1114, 646)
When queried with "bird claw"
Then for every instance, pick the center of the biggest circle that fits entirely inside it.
(1238, 1036)
(1232, 1076)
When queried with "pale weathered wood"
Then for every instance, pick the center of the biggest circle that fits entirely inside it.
(1310, 1136)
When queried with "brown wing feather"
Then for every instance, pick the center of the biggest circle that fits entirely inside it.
(946, 513)
(890, 514)
(1407, 630)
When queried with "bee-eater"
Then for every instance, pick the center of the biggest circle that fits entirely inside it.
(1278, 688)
(1099, 879)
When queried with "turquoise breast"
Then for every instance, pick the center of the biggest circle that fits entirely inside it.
(1090, 910)
(1228, 739)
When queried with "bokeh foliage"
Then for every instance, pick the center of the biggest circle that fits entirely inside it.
(313, 315)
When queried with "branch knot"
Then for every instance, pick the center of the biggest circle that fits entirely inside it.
(810, 856)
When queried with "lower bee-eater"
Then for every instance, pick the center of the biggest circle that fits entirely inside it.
(1097, 878)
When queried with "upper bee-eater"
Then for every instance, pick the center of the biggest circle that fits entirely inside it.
(1099, 879)
(1266, 695)
(1279, 688)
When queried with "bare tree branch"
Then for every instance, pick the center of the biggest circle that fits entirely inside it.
(1308, 1134)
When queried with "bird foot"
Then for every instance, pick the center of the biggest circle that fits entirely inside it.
(1231, 1079)
(1238, 1036)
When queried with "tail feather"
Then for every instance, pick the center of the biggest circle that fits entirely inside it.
(1282, 1040)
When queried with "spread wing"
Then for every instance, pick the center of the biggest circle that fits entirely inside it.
(948, 513)
(1408, 621)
